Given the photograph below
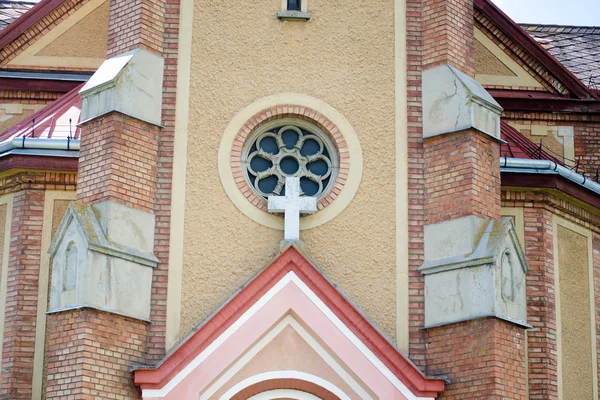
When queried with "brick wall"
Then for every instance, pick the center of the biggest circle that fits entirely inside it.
(541, 304)
(162, 206)
(118, 161)
(463, 176)
(448, 34)
(587, 147)
(21, 294)
(110, 345)
(484, 359)
(416, 182)
(135, 24)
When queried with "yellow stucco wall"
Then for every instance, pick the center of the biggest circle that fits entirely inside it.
(343, 56)
(13, 113)
(88, 38)
(486, 63)
(575, 321)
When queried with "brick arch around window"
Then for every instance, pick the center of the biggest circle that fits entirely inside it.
(301, 113)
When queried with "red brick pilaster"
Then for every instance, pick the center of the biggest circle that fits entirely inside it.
(541, 304)
(22, 293)
(462, 172)
(135, 24)
(90, 354)
(484, 358)
(448, 34)
(117, 161)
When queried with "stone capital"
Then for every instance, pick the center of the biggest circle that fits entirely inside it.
(453, 102)
(130, 83)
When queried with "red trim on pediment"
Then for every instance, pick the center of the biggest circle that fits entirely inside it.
(519, 36)
(290, 260)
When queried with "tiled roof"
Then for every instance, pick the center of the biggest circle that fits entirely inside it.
(57, 120)
(518, 146)
(576, 47)
(10, 10)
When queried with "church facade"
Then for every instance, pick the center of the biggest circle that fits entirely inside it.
(297, 199)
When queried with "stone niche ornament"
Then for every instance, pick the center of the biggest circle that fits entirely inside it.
(102, 258)
(474, 269)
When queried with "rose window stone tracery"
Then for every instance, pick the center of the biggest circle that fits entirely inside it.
(291, 150)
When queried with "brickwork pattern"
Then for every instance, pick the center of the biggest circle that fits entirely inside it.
(21, 295)
(162, 207)
(110, 344)
(448, 34)
(541, 306)
(290, 111)
(587, 146)
(463, 176)
(484, 359)
(28, 97)
(118, 161)
(135, 24)
(416, 182)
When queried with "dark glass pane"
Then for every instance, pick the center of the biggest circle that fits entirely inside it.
(267, 185)
(309, 188)
(290, 138)
(289, 165)
(259, 164)
(294, 5)
(269, 145)
(318, 167)
(310, 147)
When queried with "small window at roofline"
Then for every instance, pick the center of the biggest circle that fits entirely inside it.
(294, 5)
(294, 10)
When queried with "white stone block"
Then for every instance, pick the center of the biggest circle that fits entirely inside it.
(453, 101)
(130, 83)
(463, 284)
(102, 258)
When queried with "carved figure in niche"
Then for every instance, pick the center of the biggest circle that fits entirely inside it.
(70, 269)
(507, 275)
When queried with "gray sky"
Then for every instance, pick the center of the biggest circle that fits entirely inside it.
(560, 12)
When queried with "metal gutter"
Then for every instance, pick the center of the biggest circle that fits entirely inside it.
(523, 165)
(53, 76)
(40, 144)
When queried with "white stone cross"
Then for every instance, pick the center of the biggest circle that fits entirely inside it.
(292, 205)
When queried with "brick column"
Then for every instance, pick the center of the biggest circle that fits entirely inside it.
(117, 161)
(22, 293)
(448, 34)
(481, 353)
(118, 179)
(135, 24)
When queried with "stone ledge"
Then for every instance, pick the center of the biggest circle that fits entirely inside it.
(294, 15)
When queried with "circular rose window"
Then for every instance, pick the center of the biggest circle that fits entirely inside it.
(288, 148)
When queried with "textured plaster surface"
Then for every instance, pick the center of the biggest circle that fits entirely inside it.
(576, 341)
(486, 63)
(347, 62)
(87, 38)
(12, 114)
(288, 352)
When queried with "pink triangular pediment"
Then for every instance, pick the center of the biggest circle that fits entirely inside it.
(290, 293)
